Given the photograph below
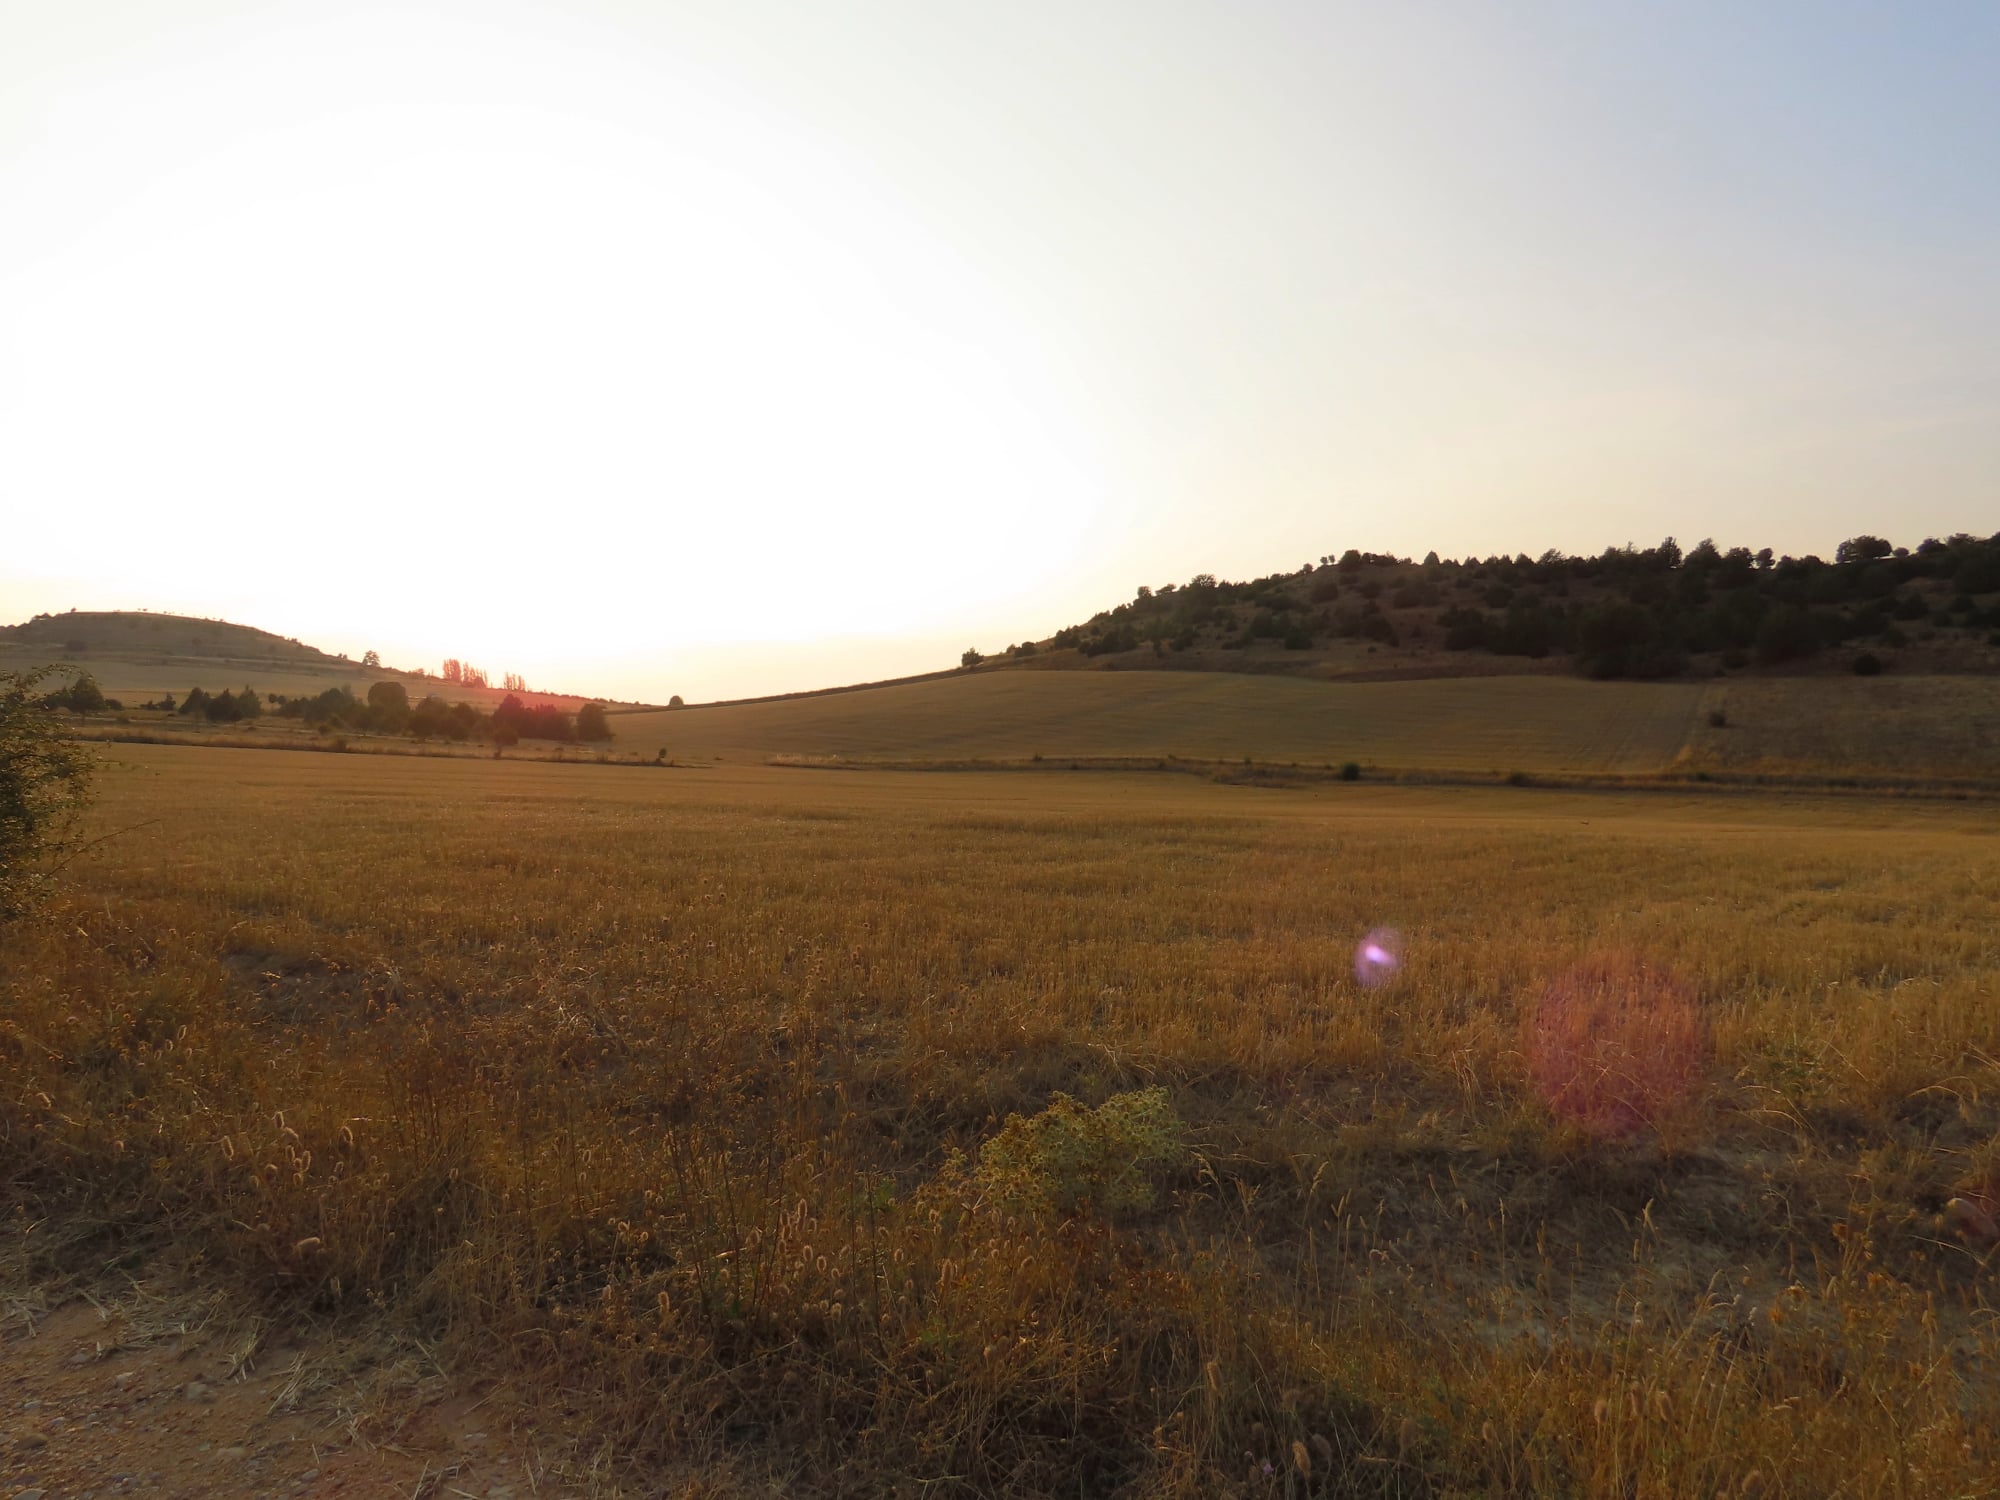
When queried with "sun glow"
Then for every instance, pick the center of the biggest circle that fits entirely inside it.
(720, 347)
(503, 345)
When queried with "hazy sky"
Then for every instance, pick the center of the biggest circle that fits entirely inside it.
(730, 346)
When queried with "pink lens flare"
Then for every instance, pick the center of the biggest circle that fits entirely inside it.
(1378, 957)
(1615, 1044)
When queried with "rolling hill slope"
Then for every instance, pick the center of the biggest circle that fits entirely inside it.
(1464, 724)
(136, 655)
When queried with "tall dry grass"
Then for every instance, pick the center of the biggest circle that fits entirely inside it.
(667, 1095)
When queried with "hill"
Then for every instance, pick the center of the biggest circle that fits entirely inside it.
(1626, 613)
(84, 635)
(137, 655)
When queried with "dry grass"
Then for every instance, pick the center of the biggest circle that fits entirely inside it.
(667, 1094)
(1473, 724)
(1899, 726)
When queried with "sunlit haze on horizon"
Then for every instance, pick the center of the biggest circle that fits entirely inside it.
(739, 347)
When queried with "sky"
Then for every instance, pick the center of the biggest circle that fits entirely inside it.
(723, 347)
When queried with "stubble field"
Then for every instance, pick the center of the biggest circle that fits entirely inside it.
(1664, 1164)
(1488, 724)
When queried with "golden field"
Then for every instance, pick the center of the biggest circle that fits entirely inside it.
(1889, 726)
(1486, 724)
(1891, 731)
(679, 1099)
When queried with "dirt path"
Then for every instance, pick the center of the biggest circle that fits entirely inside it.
(180, 1400)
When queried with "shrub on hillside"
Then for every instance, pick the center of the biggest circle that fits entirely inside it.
(1624, 640)
(1787, 635)
(1118, 638)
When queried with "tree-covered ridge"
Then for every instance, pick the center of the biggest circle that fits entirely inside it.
(1626, 612)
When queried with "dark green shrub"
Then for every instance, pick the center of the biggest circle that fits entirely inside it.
(1787, 635)
(44, 785)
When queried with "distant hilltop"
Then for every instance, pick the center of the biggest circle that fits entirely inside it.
(80, 633)
(135, 654)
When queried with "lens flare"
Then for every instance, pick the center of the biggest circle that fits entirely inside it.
(1615, 1043)
(1377, 957)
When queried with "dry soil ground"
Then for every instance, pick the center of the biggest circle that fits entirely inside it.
(179, 1401)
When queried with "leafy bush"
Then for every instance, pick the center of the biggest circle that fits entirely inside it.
(1069, 1159)
(82, 696)
(44, 784)
(388, 707)
(1612, 637)
(1118, 638)
(1787, 635)
(1465, 629)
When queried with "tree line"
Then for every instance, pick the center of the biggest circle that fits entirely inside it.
(387, 710)
(464, 674)
(1626, 612)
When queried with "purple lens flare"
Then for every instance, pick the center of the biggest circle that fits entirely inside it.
(1377, 957)
(1616, 1044)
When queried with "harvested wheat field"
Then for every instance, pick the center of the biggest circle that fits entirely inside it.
(758, 1131)
(1537, 723)
(1887, 726)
